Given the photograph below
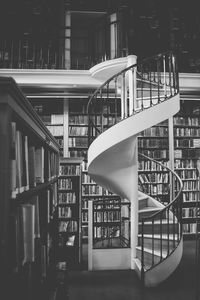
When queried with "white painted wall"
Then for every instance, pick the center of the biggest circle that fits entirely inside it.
(110, 259)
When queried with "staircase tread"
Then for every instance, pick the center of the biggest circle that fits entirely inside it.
(156, 252)
(164, 221)
(143, 197)
(157, 236)
(139, 264)
(150, 208)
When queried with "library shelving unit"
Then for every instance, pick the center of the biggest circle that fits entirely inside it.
(187, 161)
(29, 160)
(153, 142)
(78, 146)
(69, 247)
(51, 113)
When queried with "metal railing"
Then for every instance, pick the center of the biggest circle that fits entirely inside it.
(111, 223)
(165, 224)
(132, 90)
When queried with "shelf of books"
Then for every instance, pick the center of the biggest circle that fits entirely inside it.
(29, 158)
(153, 142)
(69, 212)
(78, 146)
(51, 113)
(187, 160)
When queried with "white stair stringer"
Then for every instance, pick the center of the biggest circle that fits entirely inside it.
(162, 270)
(112, 163)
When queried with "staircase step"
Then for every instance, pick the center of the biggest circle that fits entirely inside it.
(148, 211)
(150, 257)
(155, 241)
(157, 227)
(139, 266)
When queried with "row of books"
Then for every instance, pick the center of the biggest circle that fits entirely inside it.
(185, 143)
(191, 185)
(28, 166)
(51, 168)
(191, 196)
(56, 130)
(187, 174)
(107, 216)
(67, 197)
(156, 189)
(187, 120)
(189, 212)
(84, 216)
(78, 153)
(78, 142)
(186, 132)
(64, 212)
(154, 178)
(60, 141)
(78, 131)
(185, 164)
(189, 228)
(147, 165)
(69, 170)
(85, 203)
(155, 131)
(92, 190)
(153, 143)
(186, 153)
(157, 154)
(65, 183)
(87, 179)
(68, 226)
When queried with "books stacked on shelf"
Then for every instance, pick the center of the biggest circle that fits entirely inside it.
(69, 210)
(187, 159)
(29, 195)
(30, 165)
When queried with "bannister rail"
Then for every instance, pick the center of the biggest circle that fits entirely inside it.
(132, 90)
(169, 217)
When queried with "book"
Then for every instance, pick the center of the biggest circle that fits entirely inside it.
(13, 165)
(31, 154)
(39, 165)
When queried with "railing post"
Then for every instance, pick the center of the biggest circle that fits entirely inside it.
(132, 59)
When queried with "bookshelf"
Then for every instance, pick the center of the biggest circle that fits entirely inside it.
(69, 212)
(78, 145)
(51, 113)
(29, 157)
(187, 160)
(154, 142)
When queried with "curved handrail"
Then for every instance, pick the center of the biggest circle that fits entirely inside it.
(125, 70)
(132, 90)
(173, 215)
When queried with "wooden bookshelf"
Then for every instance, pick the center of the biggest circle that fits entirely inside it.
(154, 142)
(29, 157)
(69, 247)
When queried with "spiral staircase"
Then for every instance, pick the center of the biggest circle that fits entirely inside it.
(142, 95)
